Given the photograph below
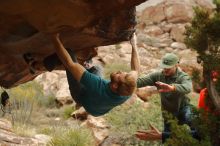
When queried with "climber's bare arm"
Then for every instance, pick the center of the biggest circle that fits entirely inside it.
(142, 94)
(135, 61)
(75, 68)
(145, 92)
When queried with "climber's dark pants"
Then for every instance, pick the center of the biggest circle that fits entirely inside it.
(75, 87)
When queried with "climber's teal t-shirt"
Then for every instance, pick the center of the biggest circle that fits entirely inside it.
(96, 96)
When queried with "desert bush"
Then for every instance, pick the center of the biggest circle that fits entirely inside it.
(54, 112)
(23, 99)
(24, 130)
(47, 101)
(67, 136)
(67, 111)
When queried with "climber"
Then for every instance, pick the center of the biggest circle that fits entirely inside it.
(97, 95)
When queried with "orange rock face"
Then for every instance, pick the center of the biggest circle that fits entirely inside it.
(82, 24)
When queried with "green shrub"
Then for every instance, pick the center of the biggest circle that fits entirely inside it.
(23, 99)
(63, 136)
(46, 130)
(125, 120)
(203, 35)
(207, 125)
(54, 112)
(181, 134)
(47, 101)
(67, 111)
(24, 130)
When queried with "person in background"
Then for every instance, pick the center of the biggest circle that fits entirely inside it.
(210, 114)
(173, 85)
(205, 103)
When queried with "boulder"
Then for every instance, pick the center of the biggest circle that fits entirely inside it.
(177, 32)
(153, 30)
(153, 14)
(177, 45)
(178, 12)
(26, 25)
(55, 83)
(9, 138)
(99, 128)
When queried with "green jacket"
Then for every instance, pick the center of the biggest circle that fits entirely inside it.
(174, 101)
